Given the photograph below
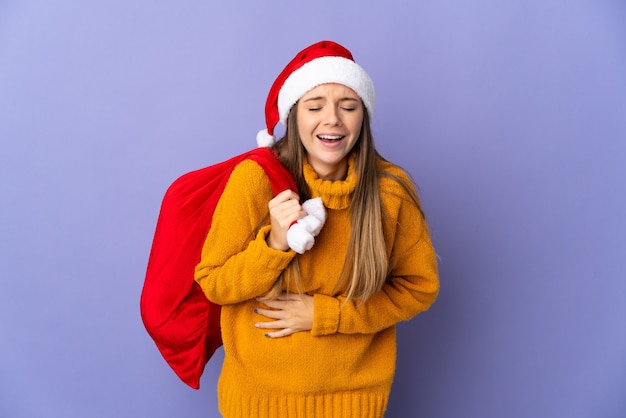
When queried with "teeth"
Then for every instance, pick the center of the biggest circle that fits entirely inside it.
(330, 137)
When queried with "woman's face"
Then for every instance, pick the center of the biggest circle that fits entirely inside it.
(329, 124)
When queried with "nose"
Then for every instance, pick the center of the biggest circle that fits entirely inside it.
(332, 117)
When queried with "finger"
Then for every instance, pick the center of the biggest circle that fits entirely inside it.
(282, 297)
(282, 333)
(288, 296)
(285, 196)
(270, 313)
(271, 303)
(286, 218)
(285, 214)
(275, 325)
(280, 305)
(284, 206)
(290, 208)
(289, 195)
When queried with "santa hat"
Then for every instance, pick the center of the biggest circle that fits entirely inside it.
(320, 63)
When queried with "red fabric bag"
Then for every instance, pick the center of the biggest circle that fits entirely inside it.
(183, 323)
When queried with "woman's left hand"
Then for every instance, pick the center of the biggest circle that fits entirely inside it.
(292, 312)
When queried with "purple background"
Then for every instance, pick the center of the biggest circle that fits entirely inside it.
(511, 116)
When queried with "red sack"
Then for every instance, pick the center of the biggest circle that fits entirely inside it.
(183, 323)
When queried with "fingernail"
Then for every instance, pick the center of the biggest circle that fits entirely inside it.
(256, 311)
(267, 335)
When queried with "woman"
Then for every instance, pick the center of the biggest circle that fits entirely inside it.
(313, 334)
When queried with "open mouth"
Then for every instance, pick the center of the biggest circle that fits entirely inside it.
(330, 138)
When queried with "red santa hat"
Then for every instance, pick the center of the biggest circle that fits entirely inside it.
(320, 63)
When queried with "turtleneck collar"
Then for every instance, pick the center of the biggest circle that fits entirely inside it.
(334, 194)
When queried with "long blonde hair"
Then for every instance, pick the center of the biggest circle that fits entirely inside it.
(367, 265)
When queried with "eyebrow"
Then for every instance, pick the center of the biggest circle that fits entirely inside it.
(343, 99)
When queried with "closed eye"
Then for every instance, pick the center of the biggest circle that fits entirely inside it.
(349, 104)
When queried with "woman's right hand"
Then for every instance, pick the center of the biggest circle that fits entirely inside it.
(285, 209)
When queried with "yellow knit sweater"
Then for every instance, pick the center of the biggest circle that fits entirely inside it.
(344, 366)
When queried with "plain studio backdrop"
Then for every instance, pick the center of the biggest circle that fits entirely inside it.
(510, 115)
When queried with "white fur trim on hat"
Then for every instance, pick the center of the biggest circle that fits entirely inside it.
(321, 71)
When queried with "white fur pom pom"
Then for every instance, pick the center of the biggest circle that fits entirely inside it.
(301, 235)
(311, 224)
(299, 239)
(264, 139)
(315, 208)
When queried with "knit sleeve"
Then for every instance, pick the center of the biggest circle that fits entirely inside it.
(411, 287)
(236, 262)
